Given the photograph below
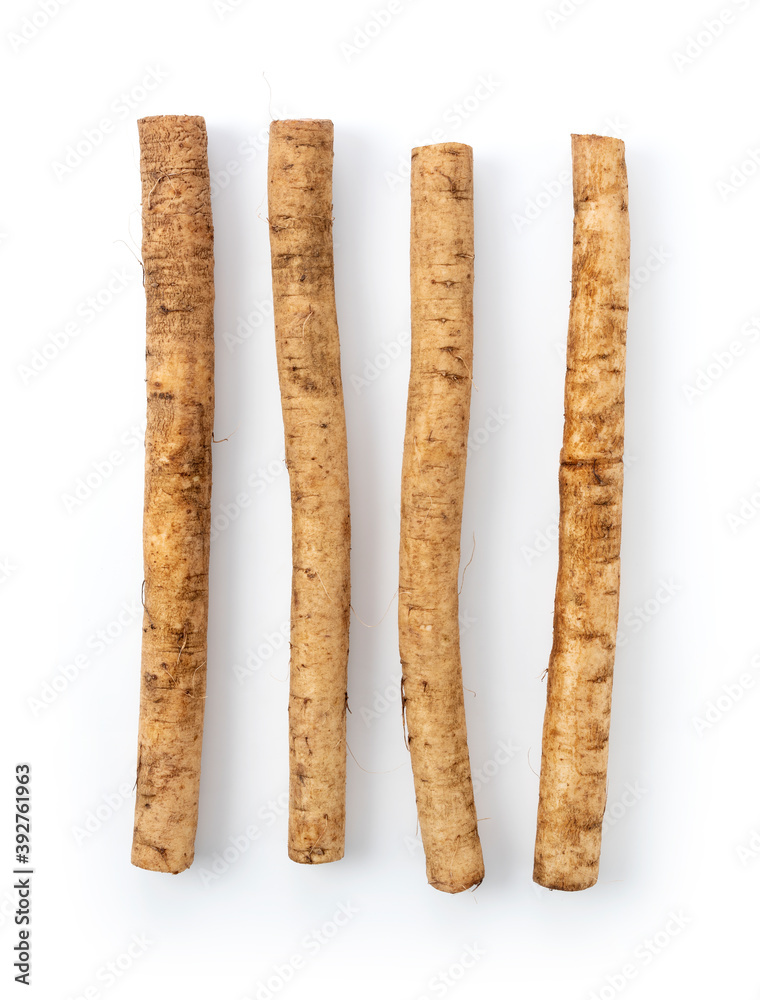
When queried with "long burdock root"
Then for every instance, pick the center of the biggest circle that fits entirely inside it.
(308, 360)
(432, 493)
(573, 787)
(178, 258)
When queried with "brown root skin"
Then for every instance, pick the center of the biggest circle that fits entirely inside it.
(179, 288)
(432, 493)
(308, 360)
(573, 783)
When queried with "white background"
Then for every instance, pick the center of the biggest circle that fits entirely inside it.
(683, 841)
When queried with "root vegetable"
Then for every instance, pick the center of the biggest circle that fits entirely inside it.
(308, 358)
(576, 725)
(435, 454)
(179, 289)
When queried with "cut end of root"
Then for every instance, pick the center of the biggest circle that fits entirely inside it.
(591, 139)
(284, 122)
(572, 881)
(454, 887)
(301, 127)
(316, 856)
(173, 120)
(451, 148)
(453, 878)
(154, 859)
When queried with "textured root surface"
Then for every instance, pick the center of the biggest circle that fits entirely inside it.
(179, 288)
(576, 725)
(308, 358)
(435, 453)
